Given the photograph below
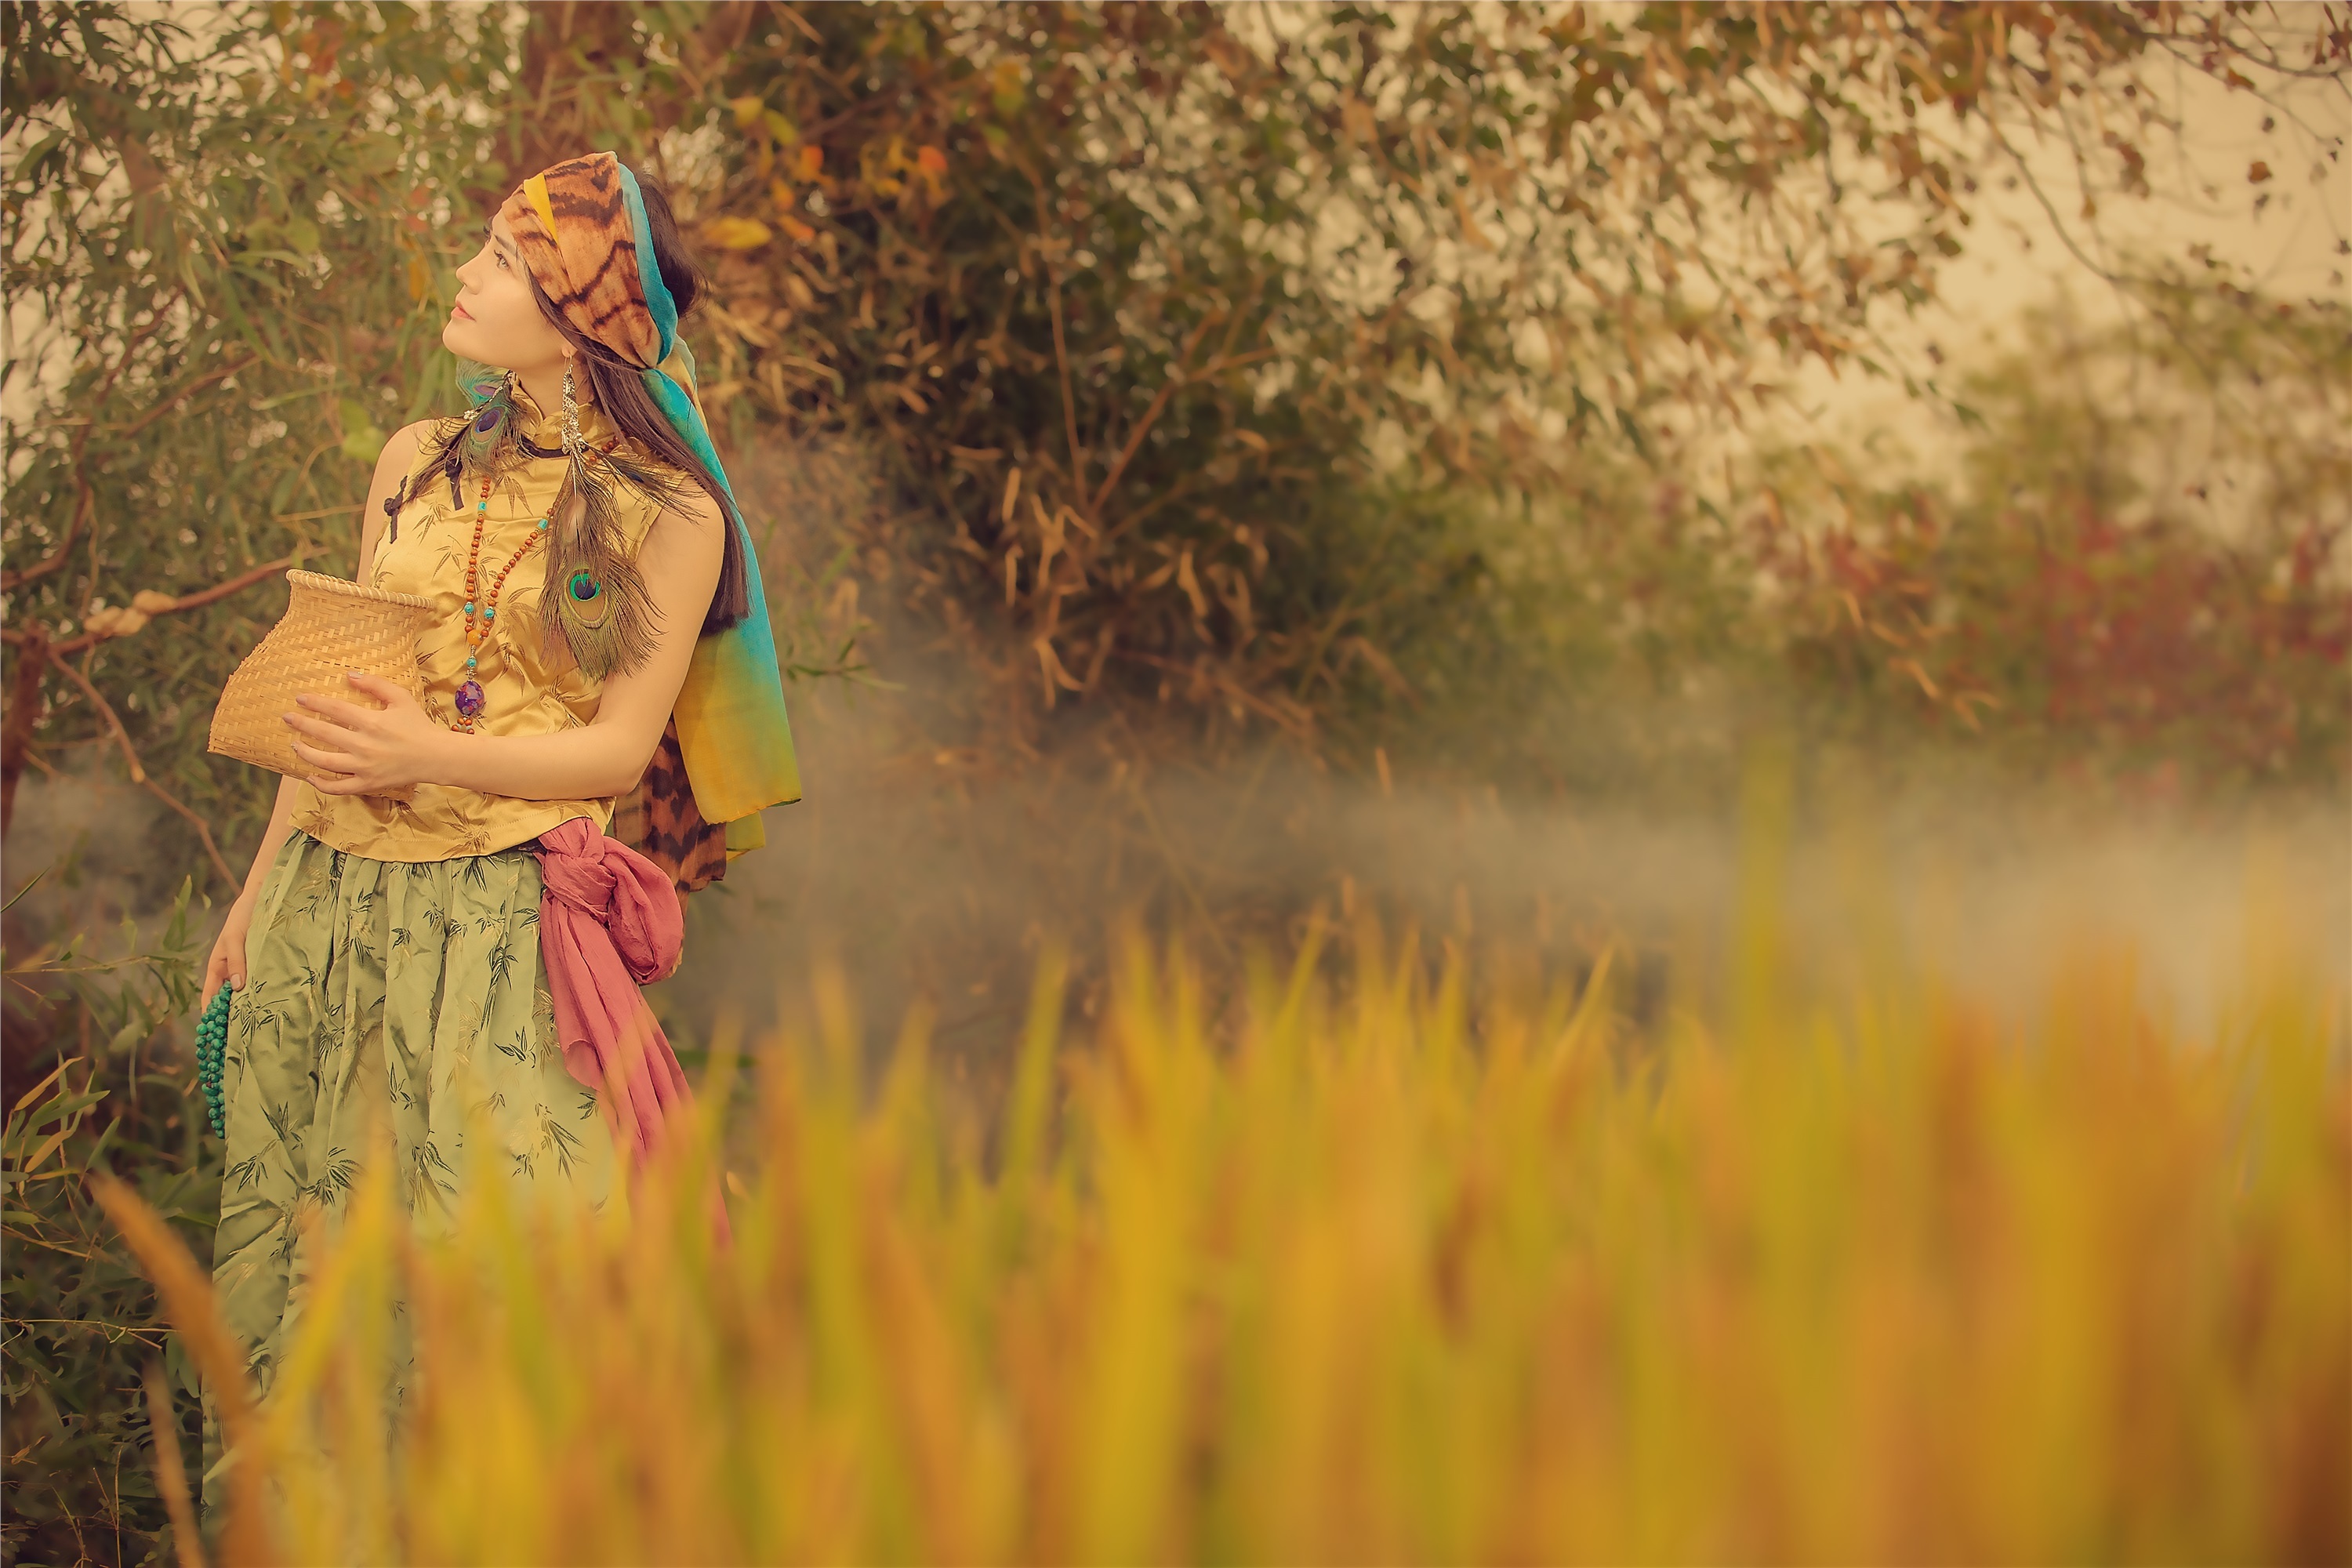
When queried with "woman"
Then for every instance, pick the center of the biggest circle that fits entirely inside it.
(601, 610)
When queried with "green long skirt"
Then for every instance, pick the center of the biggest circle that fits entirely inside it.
(383, 997)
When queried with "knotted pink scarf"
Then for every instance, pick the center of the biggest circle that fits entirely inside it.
(609, 922)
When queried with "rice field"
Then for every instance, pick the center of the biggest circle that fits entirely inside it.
(1362, 1262)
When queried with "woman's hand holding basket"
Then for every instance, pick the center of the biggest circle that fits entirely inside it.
(358, 750)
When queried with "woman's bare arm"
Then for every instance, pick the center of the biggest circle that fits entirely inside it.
(227, 960)
(362, 751)
(391, 468)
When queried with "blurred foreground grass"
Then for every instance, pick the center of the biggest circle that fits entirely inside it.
(1353, 1267)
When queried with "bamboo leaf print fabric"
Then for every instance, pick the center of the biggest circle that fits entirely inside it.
(385, 999)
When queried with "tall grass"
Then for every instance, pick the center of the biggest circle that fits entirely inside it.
(1354, 1268)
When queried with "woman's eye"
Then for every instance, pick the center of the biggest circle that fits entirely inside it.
(502, 262)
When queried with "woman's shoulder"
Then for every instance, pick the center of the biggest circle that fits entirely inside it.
(403, 451)
(658, 484)
(412, 446)
(406, 443)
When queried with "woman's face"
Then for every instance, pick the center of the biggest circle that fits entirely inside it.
(496, 319)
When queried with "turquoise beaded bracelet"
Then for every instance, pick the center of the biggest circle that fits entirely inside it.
(212, 1045)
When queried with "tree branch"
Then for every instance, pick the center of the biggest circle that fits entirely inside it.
(1062, 360)
(169, 403)
(189, 601)
(105, 711)
(138, 773)
(185, 602)
(86, 501)
(1176, 377)
(24, 711)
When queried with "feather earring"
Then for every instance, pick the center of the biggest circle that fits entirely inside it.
(595, 598)
(490, 446)
(493, 416)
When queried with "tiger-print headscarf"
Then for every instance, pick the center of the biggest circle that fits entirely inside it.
(578, 238)
(582, 229)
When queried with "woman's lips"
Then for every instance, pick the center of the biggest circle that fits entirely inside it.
(461, 311)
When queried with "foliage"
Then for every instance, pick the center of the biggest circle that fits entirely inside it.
(230, 248)
(1127, 294)
(1376, 1273)
(81, 1320)
(2143, 563)
(1140, 301)
(1179, 267)
(2130, 563)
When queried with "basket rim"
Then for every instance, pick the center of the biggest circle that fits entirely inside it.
(319, 582)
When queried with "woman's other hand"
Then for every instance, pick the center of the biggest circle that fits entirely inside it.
(367, 751)
(227, 962)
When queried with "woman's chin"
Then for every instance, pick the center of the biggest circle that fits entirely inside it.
(458, 337)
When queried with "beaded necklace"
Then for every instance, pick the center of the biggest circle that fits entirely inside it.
(470, 701)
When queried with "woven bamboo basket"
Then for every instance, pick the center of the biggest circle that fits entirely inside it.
(331, 625)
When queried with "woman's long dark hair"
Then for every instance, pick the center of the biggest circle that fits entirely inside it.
(619, 389)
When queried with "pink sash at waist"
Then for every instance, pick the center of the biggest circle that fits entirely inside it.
(609, 922)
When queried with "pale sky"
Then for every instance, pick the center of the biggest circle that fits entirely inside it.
(2014, 260)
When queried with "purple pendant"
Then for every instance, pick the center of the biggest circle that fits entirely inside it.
(470, 698)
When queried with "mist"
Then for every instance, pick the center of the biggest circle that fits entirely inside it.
(932, 883)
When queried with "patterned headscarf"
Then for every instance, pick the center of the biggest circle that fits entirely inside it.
(582, 229)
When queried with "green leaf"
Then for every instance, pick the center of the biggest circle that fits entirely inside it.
(180, 1367)
(363, 439)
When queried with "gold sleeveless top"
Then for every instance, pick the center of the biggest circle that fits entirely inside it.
(529, 687)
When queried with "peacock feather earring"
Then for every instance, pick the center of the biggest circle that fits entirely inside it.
(595, 597)
(493, 417)
(484, 444)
